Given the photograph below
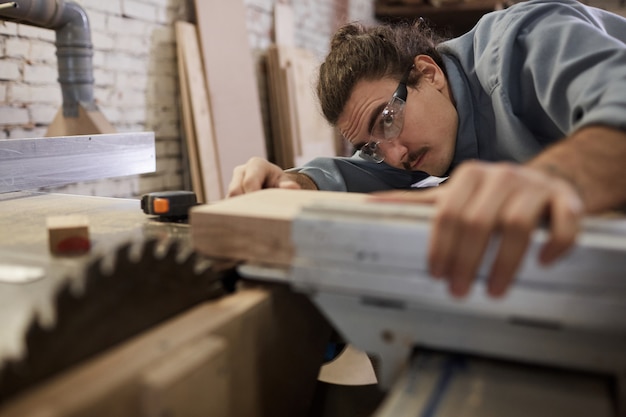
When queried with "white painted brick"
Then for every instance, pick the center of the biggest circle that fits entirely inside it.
(13, 115)
(3, 93)
(130, 99)
(139, 10)
(43, 113)
(41, 51)
(261, 4)
(163, 16)
(99, 59)
(125, 63)
(133, 44)
(161, 4)
(9, 70)
(97, 20)
(127, 27)
(8, 28)
(40, 74)
(27, 133)
(112, 114)
(26, 93)
(34, 32)
(109, 6)
(103, 41)
(131, 82)
(134, 115)
(17, 47)
(103, 78)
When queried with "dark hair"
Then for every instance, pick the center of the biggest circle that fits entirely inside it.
(361, 53)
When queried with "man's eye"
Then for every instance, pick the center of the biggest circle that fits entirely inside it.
(387, 120)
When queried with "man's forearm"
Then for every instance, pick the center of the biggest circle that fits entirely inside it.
(594, 161)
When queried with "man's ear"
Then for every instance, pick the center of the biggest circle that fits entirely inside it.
(431, 72)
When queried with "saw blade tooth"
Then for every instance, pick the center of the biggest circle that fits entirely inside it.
(168, 249)
(147, 249)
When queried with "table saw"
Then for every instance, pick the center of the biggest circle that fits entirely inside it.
(141, 324)
(230, 314)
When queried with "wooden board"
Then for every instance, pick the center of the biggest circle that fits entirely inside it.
(190, 132)
(255, 227)
(195, 84)
(257, 352)
(231, 82)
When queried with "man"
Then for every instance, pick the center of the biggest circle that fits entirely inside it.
(526, 113)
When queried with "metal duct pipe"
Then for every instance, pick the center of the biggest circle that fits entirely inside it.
(73, 42)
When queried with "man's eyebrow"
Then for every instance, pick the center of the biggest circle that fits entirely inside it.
(377, 111)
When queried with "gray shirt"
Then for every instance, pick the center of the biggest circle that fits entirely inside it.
(522, 78)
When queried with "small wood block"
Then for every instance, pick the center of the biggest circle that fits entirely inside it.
(68, 235)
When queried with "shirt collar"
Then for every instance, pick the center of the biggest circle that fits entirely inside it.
(466, 140)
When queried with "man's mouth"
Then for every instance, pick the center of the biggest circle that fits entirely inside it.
(414, 160)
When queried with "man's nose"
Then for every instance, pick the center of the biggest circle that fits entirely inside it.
(394, 150)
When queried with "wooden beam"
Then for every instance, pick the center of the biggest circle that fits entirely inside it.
(207, 152)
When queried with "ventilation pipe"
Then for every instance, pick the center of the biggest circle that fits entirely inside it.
(79, 115)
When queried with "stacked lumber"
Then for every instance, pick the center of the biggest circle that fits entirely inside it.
(220, 97)
(300, 132)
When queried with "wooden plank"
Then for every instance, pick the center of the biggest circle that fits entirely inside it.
(255, 227)
(202, 118)
(190, 132)
(281, 139)
(276, 341)
(232, 84)
(193, 381)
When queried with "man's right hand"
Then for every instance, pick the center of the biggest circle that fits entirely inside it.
(258, 173)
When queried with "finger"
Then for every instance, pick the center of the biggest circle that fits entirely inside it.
(445, 225)
(478, 224)
(520, 217)
(252, 181)
(235, 187)
(513, 246)
(565, 221)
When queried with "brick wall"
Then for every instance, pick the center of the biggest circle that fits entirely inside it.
(136, 81)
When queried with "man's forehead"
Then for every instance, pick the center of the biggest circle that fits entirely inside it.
(367, 99)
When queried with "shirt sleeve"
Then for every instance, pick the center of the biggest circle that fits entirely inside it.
(558, 62)
(357, 175)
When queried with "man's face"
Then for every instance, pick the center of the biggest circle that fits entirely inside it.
(428, 136)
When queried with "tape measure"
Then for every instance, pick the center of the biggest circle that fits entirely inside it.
(169, 205)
